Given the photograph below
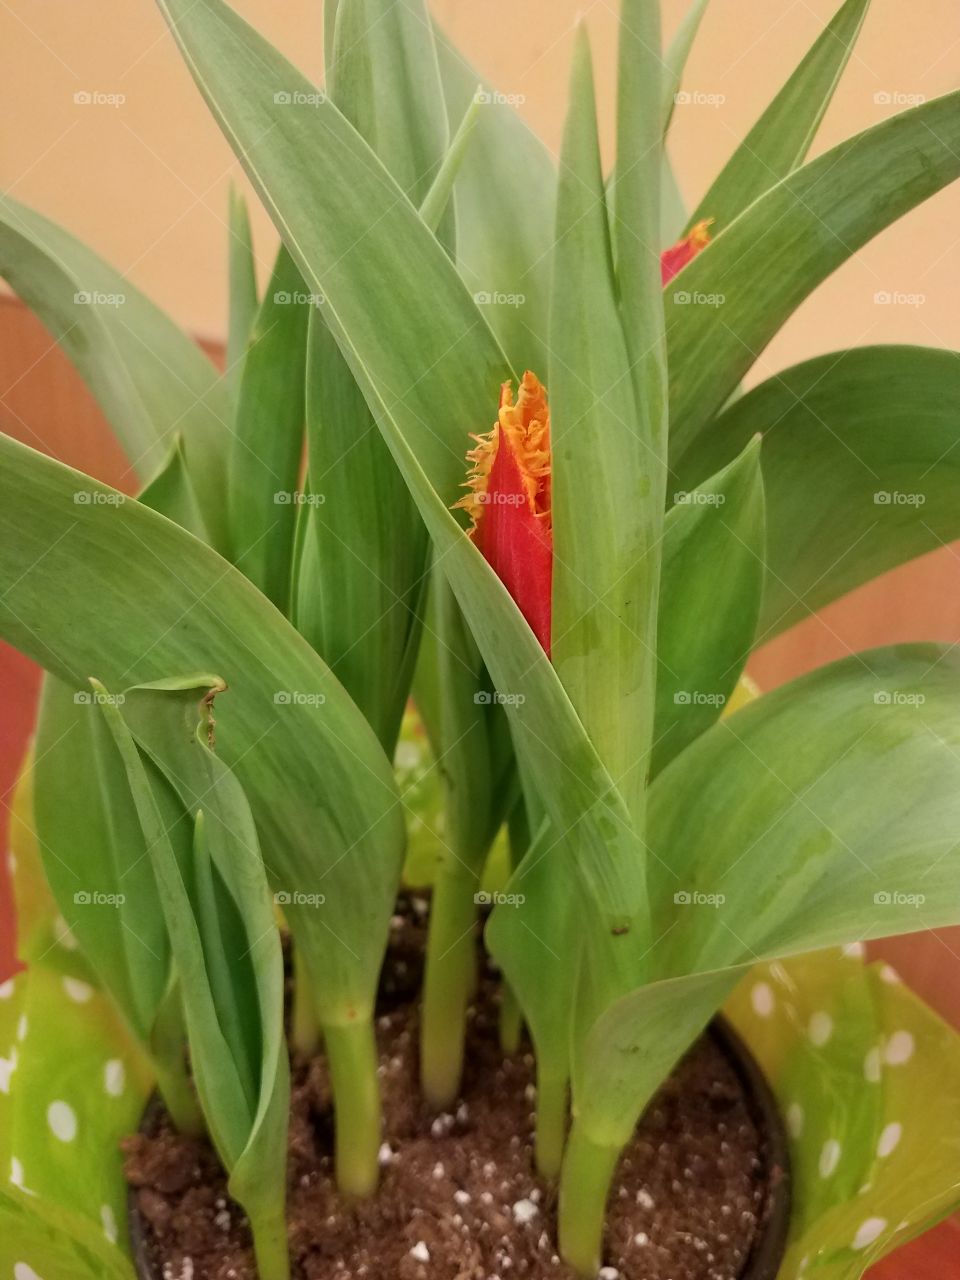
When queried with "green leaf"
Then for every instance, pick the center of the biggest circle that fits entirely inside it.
(148, 377)
(245, 1099)
(171, 492)
(636, 220)
(607, 478)
(825, 811)
(675, 61)
(267, 444)
(386, 80)
(242, 276)
(808, 225)
(781, 138)
(859, 463)
(362, 572)
(94, 856)
(364, 554)
(428, 386)
(505, 199)
(437, 200)
(120, 590)
(713, 578)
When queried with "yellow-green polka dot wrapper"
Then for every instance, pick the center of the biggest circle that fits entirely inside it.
(868, 1079)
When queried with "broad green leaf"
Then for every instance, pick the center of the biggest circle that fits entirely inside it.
(363, 571)
(636, 220)
(825, 811)
(860, 463)
(122, 591)
(242, 277)
(148, 377)
(171, 492)
(781, 138)
(724, 315)
(241, 1072)
(712, 585)
(428, 387)
(386, 80)
(606, 493)
(94, 855)
(267, 443)
(505, 199)
(675, 61)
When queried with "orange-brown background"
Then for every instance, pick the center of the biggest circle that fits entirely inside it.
(145, 182)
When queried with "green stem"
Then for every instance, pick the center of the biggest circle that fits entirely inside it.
(167, 1052)
(178, 1096)
(447, 986)
(352, 1057)
(511, 1021)
(270, 1244)
(305, 1029)
(584, 1186)
(551, 1122)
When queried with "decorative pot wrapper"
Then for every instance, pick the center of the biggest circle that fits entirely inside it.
(867, 1076)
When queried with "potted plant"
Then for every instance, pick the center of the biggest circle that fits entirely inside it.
(301, 554)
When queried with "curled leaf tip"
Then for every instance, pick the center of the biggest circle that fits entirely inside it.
(674, 259)
(509, 485)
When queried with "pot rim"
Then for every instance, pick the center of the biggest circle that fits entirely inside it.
(768, 1249)
(770, 1245)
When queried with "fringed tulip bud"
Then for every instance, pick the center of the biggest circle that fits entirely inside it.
(676, 258)
(509, 501)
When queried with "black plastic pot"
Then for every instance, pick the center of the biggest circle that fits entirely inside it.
(768, 1250)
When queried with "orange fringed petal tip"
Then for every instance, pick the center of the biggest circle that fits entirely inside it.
(676, 258)
(509, 501)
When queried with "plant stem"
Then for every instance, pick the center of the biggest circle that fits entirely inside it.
(270, 1244)
(178, 1095)
(511, 1021)
(551, 1122)
(448, 985)
(167, 1052)
(305, 1030)
(352, 1057)
(585, 1183)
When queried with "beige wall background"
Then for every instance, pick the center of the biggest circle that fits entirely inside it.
(145, 180)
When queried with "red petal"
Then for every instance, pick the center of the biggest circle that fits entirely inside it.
(517, 543)
(676, 258)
